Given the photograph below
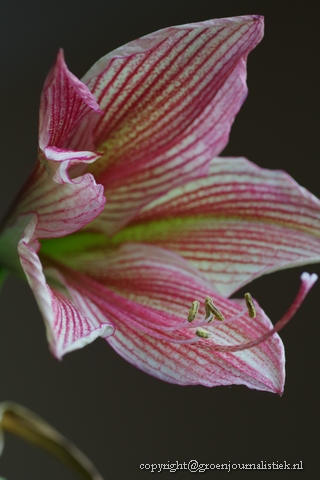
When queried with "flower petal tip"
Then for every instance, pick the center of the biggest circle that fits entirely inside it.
(104, 331)
(65, 102)
(59, 67)
(258, 18)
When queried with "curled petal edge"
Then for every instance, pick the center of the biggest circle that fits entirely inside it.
(63, 320)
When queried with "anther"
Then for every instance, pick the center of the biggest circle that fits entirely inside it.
(201, 332)
(250, 305)
(193, 310)
(211, 309)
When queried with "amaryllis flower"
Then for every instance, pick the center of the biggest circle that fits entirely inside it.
(133, 229)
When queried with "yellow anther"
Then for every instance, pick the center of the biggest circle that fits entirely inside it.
(193, 310)
(211, 309)
(201, 332)
(250, 305)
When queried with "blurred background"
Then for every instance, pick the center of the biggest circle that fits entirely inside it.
(119, 416)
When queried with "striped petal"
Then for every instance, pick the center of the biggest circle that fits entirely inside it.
(169, 100)
(65, 103)
(237, 224)
(63, 199)
(67, 327)
(61, 208)
(146, 292)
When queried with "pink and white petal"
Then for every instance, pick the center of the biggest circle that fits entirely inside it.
(146, 292)
(61, 208)
(169, 100)
(65, 102)
(238, 223)
(67, 327)
(193, 365)
(66, 166)
(114, 266)
(63, 198)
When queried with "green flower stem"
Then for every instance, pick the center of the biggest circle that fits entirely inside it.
(25, 424)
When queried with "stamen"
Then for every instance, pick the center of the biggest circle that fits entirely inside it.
(193, 310)
(210, 316)
(211, 309)
(250, 305)
(307, 282)
(202, 333)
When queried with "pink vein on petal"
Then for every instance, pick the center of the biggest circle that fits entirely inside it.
(66, 326)
(169, 118)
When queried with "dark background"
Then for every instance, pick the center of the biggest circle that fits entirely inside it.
(119, 416)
